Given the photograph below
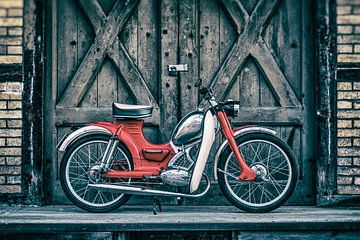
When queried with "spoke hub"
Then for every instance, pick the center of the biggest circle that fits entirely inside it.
(260, 171)
(94, 173)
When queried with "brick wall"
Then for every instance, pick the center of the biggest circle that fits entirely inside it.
(348, 96)
(11, 86)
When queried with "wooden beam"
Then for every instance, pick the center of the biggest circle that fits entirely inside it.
(92, 61)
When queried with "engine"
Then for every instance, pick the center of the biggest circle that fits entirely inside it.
(178, 173)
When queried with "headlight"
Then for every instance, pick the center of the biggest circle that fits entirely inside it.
(231, 108)
(236, 109)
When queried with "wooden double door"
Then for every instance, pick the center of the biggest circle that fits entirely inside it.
(257, 52)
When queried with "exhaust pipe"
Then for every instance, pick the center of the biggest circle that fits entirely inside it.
(133, 190)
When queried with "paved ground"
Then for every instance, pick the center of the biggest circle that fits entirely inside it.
(175, 218)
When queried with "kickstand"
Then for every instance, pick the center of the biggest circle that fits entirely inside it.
(156, 202)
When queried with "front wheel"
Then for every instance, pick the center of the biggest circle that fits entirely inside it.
(78, 169)
(276, 168)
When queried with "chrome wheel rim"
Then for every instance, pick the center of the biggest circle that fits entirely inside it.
(82, 162)
(274, 174)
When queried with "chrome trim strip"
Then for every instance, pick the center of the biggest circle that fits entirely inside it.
(135, 190)
(84, 131)
(237, 133)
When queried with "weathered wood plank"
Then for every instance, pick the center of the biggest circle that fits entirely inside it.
(272, 71)
(188, 54)
(177, 218)
(270, 115)
(147, 46)
(67, 36)
(91, 64)
(107, 85)
(168, 55)
(66, 116)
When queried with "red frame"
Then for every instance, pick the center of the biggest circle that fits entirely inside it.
(149, 159)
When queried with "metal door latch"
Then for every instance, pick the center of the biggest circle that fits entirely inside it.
(174, 69)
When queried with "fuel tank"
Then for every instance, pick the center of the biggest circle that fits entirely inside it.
(189, 129)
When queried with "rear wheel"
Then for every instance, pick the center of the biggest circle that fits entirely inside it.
(273, 162)
(79, 167)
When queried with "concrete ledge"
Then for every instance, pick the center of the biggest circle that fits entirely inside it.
(52, 219)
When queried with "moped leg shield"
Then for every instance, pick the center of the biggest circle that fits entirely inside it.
(207, 141)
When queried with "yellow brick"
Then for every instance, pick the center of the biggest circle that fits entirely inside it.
(344, 162)
(356, 142)
(344, 104)
(356, 105)
(11, 3)
(349, 95)
(13, 142)
(348, 19)
(348, 114)
(348, 58)
(356, 85)
(14, 105)
(14, 87)
(344, 29)
(344, 180)
(344, 48)
(15, 12)
(14, 123)
(10, 132)
(10, 95)
(357, 48)
(348, 133)
(2, 12)
(357, 180)
(11, 114)
(10, 59)
(348, 39)
(13, 160)
(3, 104)
(10, 151)
(11, 41)
(357, 123)
(344, 142)
(3, 31)
(10, 188)
(357, 29)
(344, 85)
(341, 10)
(348, 151)
(2, 142)
(14, 50)
(2, 123)
(8, 22)
(344, 124)
(16, 31)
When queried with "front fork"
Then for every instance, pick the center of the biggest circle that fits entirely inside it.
(247, 174)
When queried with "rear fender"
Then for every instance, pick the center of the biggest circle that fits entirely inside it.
(81, 132)
(238, 133)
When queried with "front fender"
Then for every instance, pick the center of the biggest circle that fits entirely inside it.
(81, 132)
(238, 133)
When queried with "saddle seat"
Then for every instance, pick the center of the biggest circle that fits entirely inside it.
(131, 111)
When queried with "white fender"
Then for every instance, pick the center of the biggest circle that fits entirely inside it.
(240, 132)
(81, 132)
(207, 141)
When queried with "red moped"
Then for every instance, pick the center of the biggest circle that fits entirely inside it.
(104, 163)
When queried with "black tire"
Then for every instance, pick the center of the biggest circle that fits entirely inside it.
(271, 184)
(84, 178)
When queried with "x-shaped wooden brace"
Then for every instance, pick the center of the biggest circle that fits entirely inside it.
(107, 43)
(250, 42)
